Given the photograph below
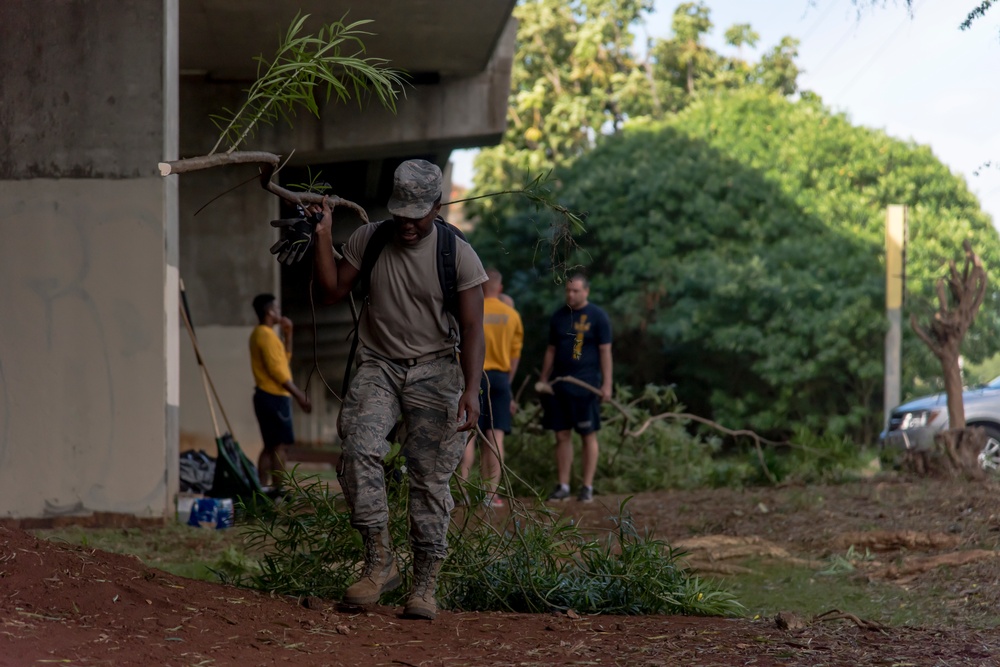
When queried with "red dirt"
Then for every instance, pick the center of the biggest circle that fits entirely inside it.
(70, 605)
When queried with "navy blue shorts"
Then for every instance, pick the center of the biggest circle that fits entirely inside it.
(564, 412)
(494, 402)
(274, 414)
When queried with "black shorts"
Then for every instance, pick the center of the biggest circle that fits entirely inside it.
(564, 412)
(274, 414)
(494, 402)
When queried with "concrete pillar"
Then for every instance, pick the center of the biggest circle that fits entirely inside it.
(224, 262)
(88, 383)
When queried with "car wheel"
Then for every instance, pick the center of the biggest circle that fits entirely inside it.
(989, 458)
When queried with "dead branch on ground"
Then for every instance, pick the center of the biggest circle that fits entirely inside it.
(757, 439)
(838, 615)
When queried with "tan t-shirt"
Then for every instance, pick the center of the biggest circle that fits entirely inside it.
(405, 316)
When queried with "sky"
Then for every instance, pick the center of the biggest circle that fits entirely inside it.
(918, 77)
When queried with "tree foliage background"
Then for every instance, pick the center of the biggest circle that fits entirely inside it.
(735, 225)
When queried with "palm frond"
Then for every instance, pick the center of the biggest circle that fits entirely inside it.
(330, 64)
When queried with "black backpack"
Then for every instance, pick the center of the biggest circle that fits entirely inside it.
(447, 273)
(235, 476)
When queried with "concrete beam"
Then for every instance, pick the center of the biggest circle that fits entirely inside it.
(449, 38)
(431, 119)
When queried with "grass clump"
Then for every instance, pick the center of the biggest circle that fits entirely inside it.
(532, 561)
(551, 563)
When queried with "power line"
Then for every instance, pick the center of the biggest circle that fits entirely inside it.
(835, 48)
(819, 20)
(895, 33)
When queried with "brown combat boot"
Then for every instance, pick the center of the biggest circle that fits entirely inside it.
(380, 573)
(421, 603)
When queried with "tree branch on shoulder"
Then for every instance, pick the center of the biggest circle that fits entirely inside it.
(304, 68)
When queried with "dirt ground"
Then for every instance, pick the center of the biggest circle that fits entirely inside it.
(78, 606)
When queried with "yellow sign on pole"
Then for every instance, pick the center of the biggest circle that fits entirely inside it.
(895, 274)
(895, 242)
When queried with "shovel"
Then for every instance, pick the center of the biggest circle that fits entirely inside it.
(235, 475)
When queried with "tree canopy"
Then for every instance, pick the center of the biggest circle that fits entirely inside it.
(577, 77)
(975, 13)
(738, 246)
(735, 236)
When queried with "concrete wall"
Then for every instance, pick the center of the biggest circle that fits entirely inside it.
(88, 408)
(82, 421)
(431, 119)
(224, 263)
(90, 381)
(225, 352)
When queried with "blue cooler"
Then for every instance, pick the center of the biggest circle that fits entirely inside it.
(212, 512)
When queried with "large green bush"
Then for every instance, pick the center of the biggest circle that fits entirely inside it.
(672, 451)
(738, 247)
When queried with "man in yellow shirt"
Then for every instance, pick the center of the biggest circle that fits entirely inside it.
(272, 398)
(504, 334)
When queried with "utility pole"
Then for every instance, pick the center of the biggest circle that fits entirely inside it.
(895, 276)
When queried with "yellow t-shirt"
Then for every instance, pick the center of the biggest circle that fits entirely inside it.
(269, 361)
(504, 335)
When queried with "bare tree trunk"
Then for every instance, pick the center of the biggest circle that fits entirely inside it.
(961, 447)
(952, 372)
(647, 67)
(948, 326)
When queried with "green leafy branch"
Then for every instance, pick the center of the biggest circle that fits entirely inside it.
(538, 193)
(561, 239)
(976, 13)
(531, 561)
(303, 64)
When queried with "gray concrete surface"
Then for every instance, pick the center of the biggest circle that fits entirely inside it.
(83, 376)
(98, 388)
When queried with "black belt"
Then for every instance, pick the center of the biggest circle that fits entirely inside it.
(421, 359)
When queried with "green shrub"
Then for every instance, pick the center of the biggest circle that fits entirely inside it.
(663, 456)
(534, 561)
(812, 459)
(670, 454)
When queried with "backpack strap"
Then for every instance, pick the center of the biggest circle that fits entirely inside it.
(362, 288)
(446, 264)
(447, 271)
(376, 243)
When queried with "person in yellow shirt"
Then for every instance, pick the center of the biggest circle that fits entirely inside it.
(504, 334)
(272, 398)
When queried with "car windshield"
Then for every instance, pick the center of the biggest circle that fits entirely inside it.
(993, 384)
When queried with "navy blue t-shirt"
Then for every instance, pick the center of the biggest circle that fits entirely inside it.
(576, 336)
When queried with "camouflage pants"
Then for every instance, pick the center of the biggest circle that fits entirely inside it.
(426, 395)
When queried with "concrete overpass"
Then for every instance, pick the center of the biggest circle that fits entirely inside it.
(98, 388)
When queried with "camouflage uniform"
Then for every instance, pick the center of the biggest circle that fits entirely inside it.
(426, 395)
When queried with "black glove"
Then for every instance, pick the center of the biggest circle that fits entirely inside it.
(296, 237)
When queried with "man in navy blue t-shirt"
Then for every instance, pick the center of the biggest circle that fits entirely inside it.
(579, 347)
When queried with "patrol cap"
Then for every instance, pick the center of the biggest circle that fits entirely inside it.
(416, 185)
